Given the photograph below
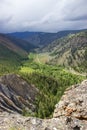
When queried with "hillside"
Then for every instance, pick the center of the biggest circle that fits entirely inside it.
(21, 43)
(41, 38)
(11, 55)
(11, 45)
(68, 51)
(70, 114)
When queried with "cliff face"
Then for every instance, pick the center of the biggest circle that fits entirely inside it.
(16, 94)
(70, 114)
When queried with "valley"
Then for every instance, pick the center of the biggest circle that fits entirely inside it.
(50, 68)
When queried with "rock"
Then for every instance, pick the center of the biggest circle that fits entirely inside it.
(16, 94)
(18, 122)
(70, 114)
(74, 102)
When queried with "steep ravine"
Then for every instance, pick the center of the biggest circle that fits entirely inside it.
(70, 113)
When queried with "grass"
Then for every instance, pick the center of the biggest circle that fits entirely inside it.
(26, 70)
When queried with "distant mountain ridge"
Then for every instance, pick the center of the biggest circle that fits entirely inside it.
(41, 38)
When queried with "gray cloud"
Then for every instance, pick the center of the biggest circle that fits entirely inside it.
(79, 18)
(42, 15)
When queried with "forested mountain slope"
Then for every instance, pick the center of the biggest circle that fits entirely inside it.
(11, 54)
(11, 45)
(68, 51)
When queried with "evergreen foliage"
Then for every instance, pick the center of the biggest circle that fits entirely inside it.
(51, 82)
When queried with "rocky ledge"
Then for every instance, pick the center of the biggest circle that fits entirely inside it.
(18, 122)
(70, 114)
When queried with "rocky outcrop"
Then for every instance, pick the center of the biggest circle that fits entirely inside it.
(16, 94)
(74, 102)
(70, 114)
(18, 122)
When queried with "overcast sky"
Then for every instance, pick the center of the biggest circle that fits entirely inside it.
(42, 15)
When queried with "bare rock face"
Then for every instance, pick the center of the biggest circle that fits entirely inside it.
(70, 114)
(16, 94)
(73, 103)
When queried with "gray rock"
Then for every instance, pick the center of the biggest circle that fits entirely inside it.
(16, 94)
(18, 122)
(73, 103)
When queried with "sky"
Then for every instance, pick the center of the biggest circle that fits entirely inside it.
(42, 15)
